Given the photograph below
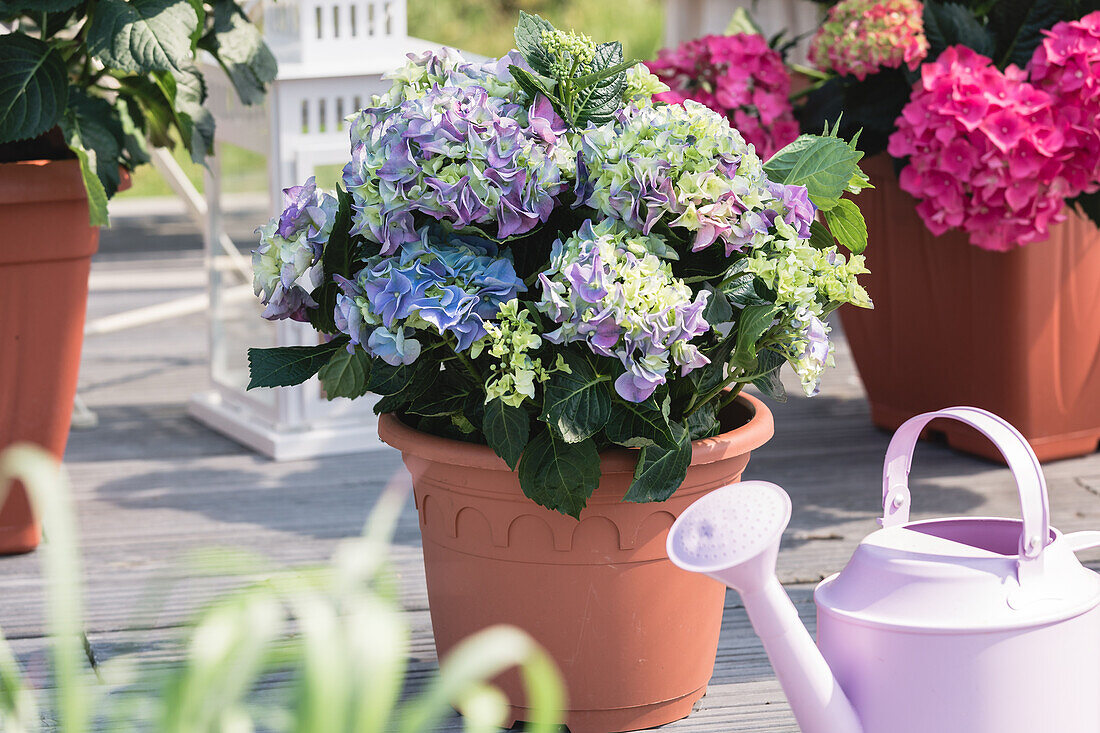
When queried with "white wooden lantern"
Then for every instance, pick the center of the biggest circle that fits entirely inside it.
(332, 55)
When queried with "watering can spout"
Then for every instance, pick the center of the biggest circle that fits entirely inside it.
(733, 535)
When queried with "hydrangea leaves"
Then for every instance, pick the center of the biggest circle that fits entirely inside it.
(828, 167)
(114, 73)
(583, 80)
(33, 87)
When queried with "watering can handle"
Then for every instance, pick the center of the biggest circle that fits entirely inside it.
(1013, 446)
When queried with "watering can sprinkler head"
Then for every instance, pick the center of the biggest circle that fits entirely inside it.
(733, 536)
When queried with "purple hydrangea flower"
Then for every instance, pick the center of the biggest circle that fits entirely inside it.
(606, 289)
(287, 263)
(463, 150)
(447, 283)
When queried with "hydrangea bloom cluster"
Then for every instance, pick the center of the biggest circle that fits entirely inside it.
(986, 152)
(860, 37)
(287, 264)
(510, 341)
(1066, 65)
(686, 165)
(607, 290)
(738, 76)
(456, 152)
(445, 282)
(808, 282)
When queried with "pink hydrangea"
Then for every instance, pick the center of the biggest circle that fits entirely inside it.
(986, 152)
(859, 37)
(738, 76)
(1067, 66)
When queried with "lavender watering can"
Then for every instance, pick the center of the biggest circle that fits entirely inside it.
(961, 625)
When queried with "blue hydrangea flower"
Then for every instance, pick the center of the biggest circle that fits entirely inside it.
(287, 264)
(686, 166)
(443, 282)
(461, 149)
(607, 289)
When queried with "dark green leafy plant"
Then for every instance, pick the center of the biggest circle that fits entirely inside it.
(98, 80)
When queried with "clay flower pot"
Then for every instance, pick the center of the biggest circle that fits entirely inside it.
(1016, 333)
(45, 256)
(634, 636)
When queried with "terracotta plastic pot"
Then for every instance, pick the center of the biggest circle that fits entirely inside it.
(634, 636)
(45, 257)
(1016, 333)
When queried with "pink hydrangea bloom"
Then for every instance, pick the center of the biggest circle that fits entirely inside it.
(859, 37)
(737, 76)
(986, 154)
(1066, 65)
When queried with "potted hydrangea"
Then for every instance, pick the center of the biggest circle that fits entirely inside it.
(559, 287)
(985, 290)
(85, 88)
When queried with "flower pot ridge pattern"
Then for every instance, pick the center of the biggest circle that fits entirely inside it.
(635, 636)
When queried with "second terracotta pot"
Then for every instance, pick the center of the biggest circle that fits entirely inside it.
(45, 256)
(634, 636)
(1016, 333)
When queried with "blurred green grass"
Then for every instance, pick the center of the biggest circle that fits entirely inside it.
(479, 26)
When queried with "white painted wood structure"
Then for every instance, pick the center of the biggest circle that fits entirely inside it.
(687, 19)
(331, 54)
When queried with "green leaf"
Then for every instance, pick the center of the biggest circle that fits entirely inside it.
(824, 165)
(600, 100)
(1018, 26)
(950, 24)
(661, 471)
(186, 90)
(98, 124)
(743, 22)
(703, 423)
(142, 35)
(709, 377)
(34, 88)
(848, 226)
(820, 237)
(436, 397)
(507, 430)
(386, 379)
(718, 308)
(286, 366)
(754, 322)
(97, 197)
(637, 425)
(15, 7)
(529, 42)
(577, 404)
(420, 381)
(346, 374)
(240, 50)
(559, 475)
(769, 382)
(533, 85)
(742, 292)
(335, 260)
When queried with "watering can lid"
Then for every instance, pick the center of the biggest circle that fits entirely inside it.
(962, 574)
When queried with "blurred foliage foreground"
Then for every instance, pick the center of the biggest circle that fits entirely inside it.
(337, 633)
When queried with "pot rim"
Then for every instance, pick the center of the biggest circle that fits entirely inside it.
(40, 181)
(741, 440)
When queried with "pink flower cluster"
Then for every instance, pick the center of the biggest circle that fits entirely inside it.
(986, 152)
(1067, 66)
(859, 37)
(737, 76)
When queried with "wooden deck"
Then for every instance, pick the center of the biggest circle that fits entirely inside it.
(153, 486)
